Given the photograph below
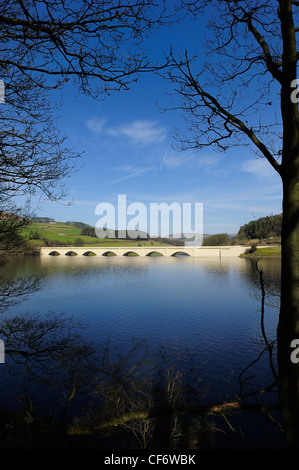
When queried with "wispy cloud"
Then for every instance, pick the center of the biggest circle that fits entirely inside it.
(208, 161)
(260, 168)
(96, 125)
(140, 132)
(131, 172)
(174, 160)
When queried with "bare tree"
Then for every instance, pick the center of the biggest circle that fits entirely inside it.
(14, 291)
(243, 91)
(33, 154)
(50, 354)
(96, 45)
(86, 40)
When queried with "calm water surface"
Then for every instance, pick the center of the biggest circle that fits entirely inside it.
(209, 308)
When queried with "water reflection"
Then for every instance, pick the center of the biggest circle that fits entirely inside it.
(210, 304)
(207, 308)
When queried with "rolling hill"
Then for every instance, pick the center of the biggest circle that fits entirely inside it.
(69, 234)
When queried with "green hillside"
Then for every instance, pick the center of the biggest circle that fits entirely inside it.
(69, 234)
(264, 252)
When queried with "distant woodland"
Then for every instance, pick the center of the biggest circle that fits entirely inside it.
(266, 229)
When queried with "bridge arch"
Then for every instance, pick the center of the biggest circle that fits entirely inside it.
(130, 253)
(89, 253)
(109, 253)
(54, 253)
(154, 253)
(71, 253)
(180, 253)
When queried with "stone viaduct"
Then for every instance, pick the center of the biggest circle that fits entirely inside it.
(193, 251)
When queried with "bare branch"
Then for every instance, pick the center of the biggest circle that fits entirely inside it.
(209, 409)
(196, 97)
(86, 40)
(272, 66)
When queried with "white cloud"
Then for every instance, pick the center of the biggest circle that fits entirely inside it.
(208, 161)
(131, 172)
(260, 168)
(96, 125)
(141, 132)
(176, 160)
(172, 161)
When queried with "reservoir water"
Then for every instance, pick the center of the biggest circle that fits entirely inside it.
(202, 311)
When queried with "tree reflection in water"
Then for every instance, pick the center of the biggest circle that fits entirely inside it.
(74, 392)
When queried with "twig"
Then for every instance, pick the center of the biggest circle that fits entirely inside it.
(209, 409)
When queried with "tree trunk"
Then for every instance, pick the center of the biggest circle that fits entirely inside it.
(288, 326)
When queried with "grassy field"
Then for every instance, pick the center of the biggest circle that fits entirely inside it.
(265, 252)
(68, 233)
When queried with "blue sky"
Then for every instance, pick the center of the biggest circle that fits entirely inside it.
(128, 149)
